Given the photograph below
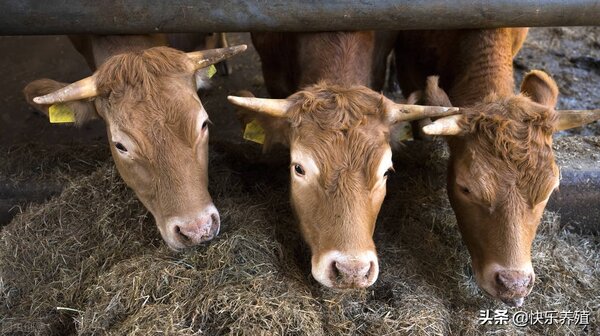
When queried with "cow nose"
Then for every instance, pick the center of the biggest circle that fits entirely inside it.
(198, 230)
(513, 286)
(340, 270)
(352, 273)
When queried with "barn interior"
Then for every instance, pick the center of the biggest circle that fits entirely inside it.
(80, 255)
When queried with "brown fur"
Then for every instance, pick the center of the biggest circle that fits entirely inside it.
(337, 122)
(344, 131)
(501, 168)
(514, 135)
(138, 89)
(83, 109)
(148, 100)
(291, 61)
(331, 116)
(471, 64)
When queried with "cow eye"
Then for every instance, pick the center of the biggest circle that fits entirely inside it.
(465, 190)
(119, 146)
(299, 170)
(389, 171)
(205, 124)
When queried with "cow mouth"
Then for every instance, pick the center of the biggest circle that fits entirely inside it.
(514, 302)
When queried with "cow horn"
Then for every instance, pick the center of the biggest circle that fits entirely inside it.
(407, 112)
(402, 112)
(445, 126)
(204, 58)
(575, 118)
(272, 107)
(84, 88)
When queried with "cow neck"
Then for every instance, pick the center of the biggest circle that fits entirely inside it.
(488, 69)
(104, 47)
(343, 58)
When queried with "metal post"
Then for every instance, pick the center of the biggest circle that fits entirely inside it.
(24, 17)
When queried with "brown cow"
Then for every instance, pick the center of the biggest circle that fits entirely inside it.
(156, 125)
(338, 133)
(502, 168)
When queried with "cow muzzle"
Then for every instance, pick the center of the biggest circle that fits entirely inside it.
(183, 232)
(510, 286)
(513, 286)
(340, 270)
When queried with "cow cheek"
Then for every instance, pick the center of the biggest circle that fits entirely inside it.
(139, 179)
(305, 203)
(202, 163)
(376, 201)
(471, 228)
(533, 223)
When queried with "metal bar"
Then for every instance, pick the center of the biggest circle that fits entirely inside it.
(578, 199)
(26, 17)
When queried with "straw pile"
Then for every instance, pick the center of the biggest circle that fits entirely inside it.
(91, 261)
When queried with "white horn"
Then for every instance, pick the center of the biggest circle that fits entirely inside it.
(407, 112)
(204, 58)
(85, 88)
(575, 118)
(272, 107)
(445, 126)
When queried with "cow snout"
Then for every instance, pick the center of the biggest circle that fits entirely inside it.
(187, 232)
(351, 273)
(513, 286)
(341, 271)
(198, 230)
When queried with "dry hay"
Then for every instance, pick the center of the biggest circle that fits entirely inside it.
(50, 163)
(34, 172)
(95, 253)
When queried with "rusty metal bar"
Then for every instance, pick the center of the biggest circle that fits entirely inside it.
(26, 17)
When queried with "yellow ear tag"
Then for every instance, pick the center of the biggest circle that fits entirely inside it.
(254, 132)
(61, 113)
(212, 70)
(404, 131)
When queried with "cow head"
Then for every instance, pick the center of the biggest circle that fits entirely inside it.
(500, 176)
(157, 130)
(340, 160)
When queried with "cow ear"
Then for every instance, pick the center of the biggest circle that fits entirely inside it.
(203, 76)
(83, 110)
(434, 94)
(276, 128)
(541, 88)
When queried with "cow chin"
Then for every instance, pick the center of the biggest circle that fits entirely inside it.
(342, 270)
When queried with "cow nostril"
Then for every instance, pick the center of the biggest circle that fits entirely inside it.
(337, 275)
(181, 234)
(513, 280)
(499, 281)
(371, 267)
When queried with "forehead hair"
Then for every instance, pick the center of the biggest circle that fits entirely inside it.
(344, 130)
(512, 137)
(141, 96)
(141, 70)
(334, 107)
